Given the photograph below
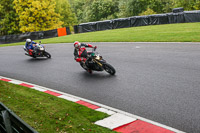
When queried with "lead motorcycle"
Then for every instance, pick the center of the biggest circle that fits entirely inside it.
(39, 51)
(95, 61)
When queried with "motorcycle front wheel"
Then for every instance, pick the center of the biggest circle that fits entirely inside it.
(109, 69)
(83, 66)
(47, 55)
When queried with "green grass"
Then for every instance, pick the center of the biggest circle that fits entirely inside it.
(47, 113)
(184, 32)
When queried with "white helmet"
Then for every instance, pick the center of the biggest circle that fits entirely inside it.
(28, 41)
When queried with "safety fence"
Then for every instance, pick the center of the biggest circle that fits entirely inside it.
(177, 16)
(11, 123)
(35, 35)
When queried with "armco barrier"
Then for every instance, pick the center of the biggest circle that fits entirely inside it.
(139, 21)
(87, 27)
(104, 25)
(179, 9)
(177, 16)
(192, 16)
(158, 19)
(11, 123)
(35, 35)
(76, 29)
(121, 23)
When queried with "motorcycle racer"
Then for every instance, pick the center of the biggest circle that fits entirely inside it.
(29, 46)
(80, 53)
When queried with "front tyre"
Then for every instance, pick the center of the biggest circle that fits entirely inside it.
(46, 54)
(109, 69)
(83, 66)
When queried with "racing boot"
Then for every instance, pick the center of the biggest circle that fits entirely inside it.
(90, 71)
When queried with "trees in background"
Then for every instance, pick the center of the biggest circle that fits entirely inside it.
(103, 9)
(138, 7)
(135, 7)
(18, 16)
(147, 12)
(81, 9)
(66, 15)
(95, 10)
(189, 4)
(9, 22)
(37, 15)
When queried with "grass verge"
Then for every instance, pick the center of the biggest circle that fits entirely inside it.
(182, 32)
(47, 113)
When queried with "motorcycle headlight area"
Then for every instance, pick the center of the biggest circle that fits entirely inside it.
(98, 57)
(41, 48)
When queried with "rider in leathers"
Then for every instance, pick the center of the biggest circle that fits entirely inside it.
(29, 46)
(80, 53)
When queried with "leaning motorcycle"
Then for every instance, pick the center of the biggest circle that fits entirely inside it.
(39, 51)
(95, 61)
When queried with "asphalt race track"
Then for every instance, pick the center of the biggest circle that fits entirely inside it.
(157, 81)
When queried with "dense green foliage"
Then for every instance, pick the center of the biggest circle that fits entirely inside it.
(17, 16)
(8, 18)
(66, 15)
(188, 4)
(95, 10)
(36, 15)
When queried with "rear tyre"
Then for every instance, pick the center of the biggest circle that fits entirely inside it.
(46, 54)
(109, 69)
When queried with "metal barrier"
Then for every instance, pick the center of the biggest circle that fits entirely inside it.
(11, 123)
(177, 16)
(34, 35)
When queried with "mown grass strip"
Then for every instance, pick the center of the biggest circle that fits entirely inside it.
(47, 113)
(184, 32)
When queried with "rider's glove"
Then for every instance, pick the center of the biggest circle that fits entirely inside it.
(95, 47)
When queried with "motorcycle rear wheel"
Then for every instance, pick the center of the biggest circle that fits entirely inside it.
(109, 69)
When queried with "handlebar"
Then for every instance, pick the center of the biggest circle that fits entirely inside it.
(94, 49)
